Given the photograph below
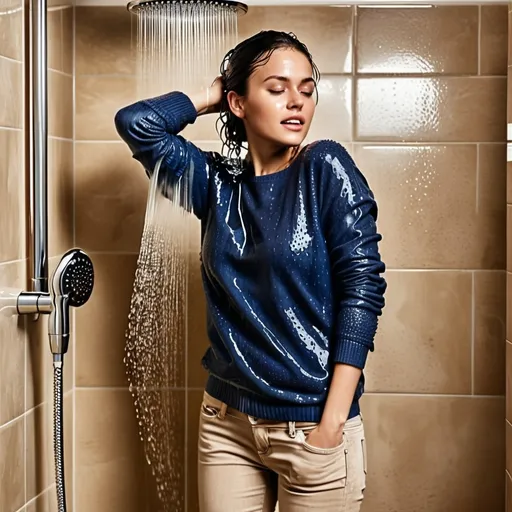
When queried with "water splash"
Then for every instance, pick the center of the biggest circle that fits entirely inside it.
(156, 339)
(179, 47)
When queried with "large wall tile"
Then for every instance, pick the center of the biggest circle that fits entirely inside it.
(60, 106)
(11, 29)
(54, 36)
(508, 462)
(100, 55)
(109, 459)
(38, 453)
(313, 26)
(455, 109)
(12, 197)
(509, 94)
(509, 182)
(111, 193)
(204, 129)
(489, 325)
(12, 350)
(509, 237)
(509, 317)
(418, 453)
(60, 3)
(11, 95)
(404, 40)
(333, 116)
(413, 353)
(508, 362)
(493, 40)
(491, 203)
(12, 472)
(101, 324)
(46, 502)
(98, 98)
(421, 192)
(60, 196)
(508, 483)
(67, 40)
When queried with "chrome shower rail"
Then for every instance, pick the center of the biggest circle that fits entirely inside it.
(39, 160)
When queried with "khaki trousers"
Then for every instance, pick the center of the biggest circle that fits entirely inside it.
(249, 465)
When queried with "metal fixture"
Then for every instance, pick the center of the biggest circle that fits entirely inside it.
(71, 286)
(39, 153)
(135, 5)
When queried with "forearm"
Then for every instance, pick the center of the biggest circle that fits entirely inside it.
(341, 395)
(202, 101)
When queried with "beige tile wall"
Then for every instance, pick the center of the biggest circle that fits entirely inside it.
(26, 462)
(418, 96)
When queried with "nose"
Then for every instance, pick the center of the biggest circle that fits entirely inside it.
(295, 100)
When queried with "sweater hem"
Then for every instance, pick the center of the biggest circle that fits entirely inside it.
(253, 405)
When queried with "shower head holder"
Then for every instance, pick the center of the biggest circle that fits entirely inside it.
(71, 286)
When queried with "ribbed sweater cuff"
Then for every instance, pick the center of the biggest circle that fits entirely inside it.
(176, 109)
(352, 353)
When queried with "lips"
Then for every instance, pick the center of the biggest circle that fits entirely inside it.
(294, 121)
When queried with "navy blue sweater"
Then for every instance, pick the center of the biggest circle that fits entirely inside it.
(290, 263)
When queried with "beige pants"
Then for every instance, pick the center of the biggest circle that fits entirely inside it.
(248, 465)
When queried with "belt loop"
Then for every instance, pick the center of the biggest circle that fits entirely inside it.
(222, 412)
(291, 429)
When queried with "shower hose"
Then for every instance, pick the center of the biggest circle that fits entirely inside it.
(58, 436)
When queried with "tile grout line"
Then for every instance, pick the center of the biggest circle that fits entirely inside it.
(61, 13)
(26, 413)
(35, 498)
(473, 333)
(10, 59)
(477, 176)
(11, 128)
(479, 39)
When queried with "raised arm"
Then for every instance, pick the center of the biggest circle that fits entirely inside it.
(150, 128)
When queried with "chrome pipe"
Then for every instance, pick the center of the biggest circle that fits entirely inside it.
(39, 163)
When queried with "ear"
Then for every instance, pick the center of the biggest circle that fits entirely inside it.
(236, 104)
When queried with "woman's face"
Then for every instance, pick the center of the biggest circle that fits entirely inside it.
(280, 100)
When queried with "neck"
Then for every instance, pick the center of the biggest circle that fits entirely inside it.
(268, 159)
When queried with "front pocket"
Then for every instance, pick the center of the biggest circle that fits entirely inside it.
(313, 468)
(322, 451)
(209, 410)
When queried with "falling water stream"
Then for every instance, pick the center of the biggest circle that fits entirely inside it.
(180, 47)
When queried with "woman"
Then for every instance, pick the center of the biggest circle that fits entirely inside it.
(291, 271)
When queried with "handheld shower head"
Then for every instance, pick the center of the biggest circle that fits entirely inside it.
(71, 286)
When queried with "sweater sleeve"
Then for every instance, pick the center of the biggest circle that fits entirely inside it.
(352, 240)
(150, 128)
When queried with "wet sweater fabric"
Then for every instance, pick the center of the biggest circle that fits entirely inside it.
(290, 263)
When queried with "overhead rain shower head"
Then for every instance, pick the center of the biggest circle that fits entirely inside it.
(71, 286)
(137, 5)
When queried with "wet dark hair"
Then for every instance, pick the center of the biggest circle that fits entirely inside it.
(236, 68)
